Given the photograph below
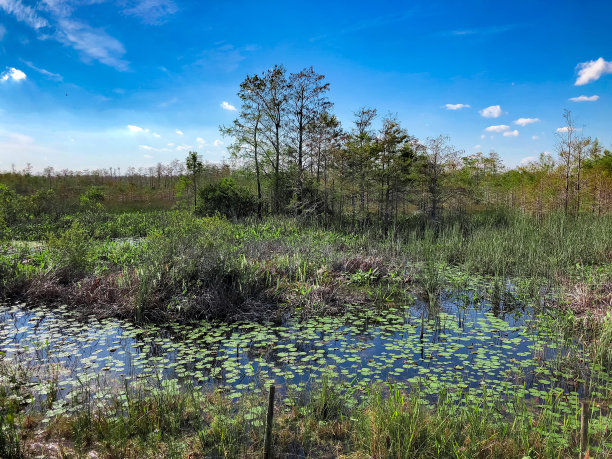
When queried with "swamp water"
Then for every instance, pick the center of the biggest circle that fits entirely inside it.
(463, 347)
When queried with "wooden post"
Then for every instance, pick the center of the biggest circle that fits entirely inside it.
(584, 426)
(270, 418)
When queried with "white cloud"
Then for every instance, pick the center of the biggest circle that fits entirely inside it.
(526, 121)
(227, 106)
(217, 143)
(147, 156)
(12, 74)
(2, 31)
(483, 136)
(179, 132)
(136, 129)
(23, 13)
(184, 147)
(563, 129)
(527, 160)
(477, 147)
(201, 142)
(534, 137)
(498, 128)
(592, 70)
(584, 98)
(152, 12)
(94, 44)
(17, 138)
(514, 133)
(456, 106)
(150, 148)
(494, 111)
(155, 134)
(50, 75)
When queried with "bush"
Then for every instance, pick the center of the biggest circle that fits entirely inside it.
(92, 199)
(190, 269)
(71, 251)
(226, 198)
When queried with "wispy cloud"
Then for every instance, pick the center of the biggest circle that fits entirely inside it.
(2, 32)
(514, 133)
(150, 148)
(24, 13)
(217, 143)
(493, 111)
(93, 44)
(498, 128)
(152, 12)
(12, 74)
(488, 30)
(534, 137)
(179, 132)
(227, 106)
(592, 70)
(526, 121)
(457, 106)
(371, 23)
(48, 74)
(224, 58)
(584, 98)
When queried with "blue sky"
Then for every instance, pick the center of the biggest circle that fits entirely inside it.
(95, 83)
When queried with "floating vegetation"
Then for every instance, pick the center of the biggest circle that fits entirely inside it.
(462, 351)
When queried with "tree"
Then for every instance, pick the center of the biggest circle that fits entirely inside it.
(245, 131)
(324, 140)
(194, 165)
(565, 147)
(360, 153)
(306, 102)
(396, 154)
(270, 91)
(439, 158)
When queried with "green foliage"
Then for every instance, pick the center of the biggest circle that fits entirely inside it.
(70, 251)
(10, 443)
(226, 198)
(92, 199)
(190, 269)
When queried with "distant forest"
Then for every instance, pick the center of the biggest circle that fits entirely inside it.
(291, 155)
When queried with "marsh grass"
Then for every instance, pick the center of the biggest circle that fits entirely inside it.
(174, 266)
(331, 420)
(192, 268)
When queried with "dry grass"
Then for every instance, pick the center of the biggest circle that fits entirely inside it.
(590, 302)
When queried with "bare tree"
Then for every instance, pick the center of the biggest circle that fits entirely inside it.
(566, 144)
(440, 157)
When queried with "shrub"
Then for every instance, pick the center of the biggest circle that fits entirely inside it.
(226, 198)
(70, 252)
(92, 199)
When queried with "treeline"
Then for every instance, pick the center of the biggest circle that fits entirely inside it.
(303, 160)
(291, 155)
